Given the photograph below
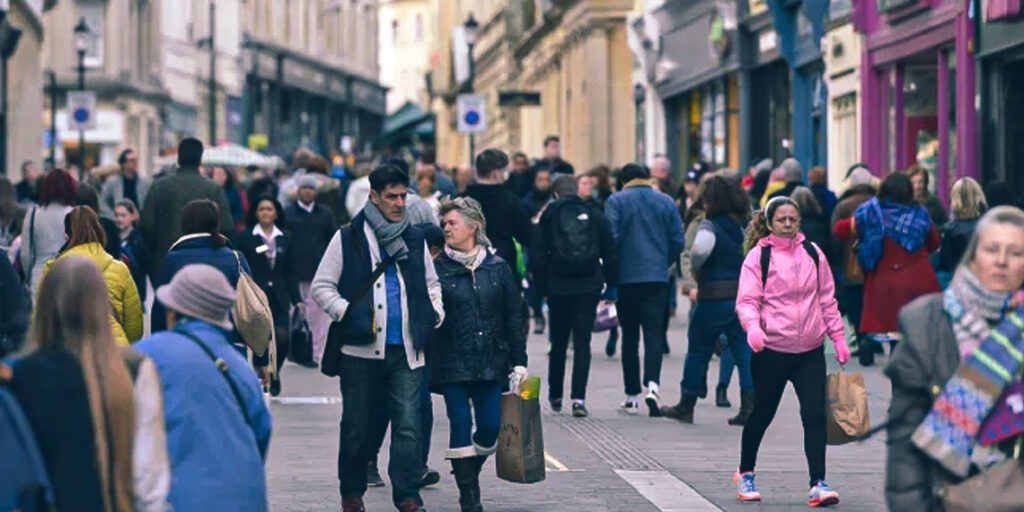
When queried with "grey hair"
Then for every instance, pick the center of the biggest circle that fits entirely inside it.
(999, 215)
(472, 212)
(806, 201)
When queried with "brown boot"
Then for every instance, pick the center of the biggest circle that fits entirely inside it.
(683, 411)
(746, 408)
(352, 504)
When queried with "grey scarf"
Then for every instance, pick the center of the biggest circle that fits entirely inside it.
(389, 234)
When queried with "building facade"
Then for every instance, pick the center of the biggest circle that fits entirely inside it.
(24, 87)
(406, 38)
(841, 53)
(1001, 70)
(311, 75)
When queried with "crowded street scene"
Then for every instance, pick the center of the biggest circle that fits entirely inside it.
(454, 255)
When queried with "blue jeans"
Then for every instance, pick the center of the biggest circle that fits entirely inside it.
(382, 418)
(725, 367)
(486, 398)
(367, 385)
(710, 320)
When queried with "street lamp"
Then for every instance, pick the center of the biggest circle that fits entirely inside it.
(471, 30)
(82, 39)
(9, 36)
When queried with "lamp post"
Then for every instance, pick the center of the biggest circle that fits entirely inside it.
(82, 39)
(471, 31)
(212, 84)
(9, 37)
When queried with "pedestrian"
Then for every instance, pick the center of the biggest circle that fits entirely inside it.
(14, 309)
(661, 172)
(814, 224)
(128, 183)
(776, 182)
(553, 157)
(269, 251)
(311, 227)
(87, 196)
(508, 221)
(540, 193)
(860, 188)
(42, 236)
(382, 366)
(817, 180)
(920, 178)
(85, 238)
(717, 258)
(649, 235)
(573, 258)
(262, 184)
(218, 427)
(603, 189)
(12, 215)
(480, 342)
(426, 164)
(792, 177)
(521, 176)
(895, 236)
(786, 304)
(536, 201)
(417, 208)
(692, 211)
(78, 398)
(126, 217)
(967, 205)
(28, 189)
(463, 177)
(760, 182)
(228, 182)
(944, 335)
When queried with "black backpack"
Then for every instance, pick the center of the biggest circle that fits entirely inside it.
(576, 244)
(766, 259)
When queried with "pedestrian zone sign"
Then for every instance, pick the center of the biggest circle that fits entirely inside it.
(472, 112)
(81, 110)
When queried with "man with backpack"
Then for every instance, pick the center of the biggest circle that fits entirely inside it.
(572, 258)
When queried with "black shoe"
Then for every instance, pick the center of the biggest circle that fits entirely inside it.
(579, 410)
(430, 477)
(556, 404)
(309, 364)
(683, 411)
(275, 386)
(721, 397)
(613, 339)
(373, 478)
(539, 324)
(467, 478)
(866, 356)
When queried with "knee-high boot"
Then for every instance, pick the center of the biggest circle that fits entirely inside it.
(467, 477)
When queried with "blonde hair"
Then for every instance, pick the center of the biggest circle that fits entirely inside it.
(967, 200)
(73, 314)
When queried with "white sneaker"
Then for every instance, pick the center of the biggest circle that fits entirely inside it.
(631, 406)
(652, 400)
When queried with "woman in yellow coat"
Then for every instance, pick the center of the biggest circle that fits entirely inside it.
(86, 238)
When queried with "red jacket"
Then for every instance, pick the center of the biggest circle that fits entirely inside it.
(899, 278)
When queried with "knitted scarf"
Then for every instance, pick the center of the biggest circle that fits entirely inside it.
(949, 432)
(469, 259)
(907, 225)
(389, 234)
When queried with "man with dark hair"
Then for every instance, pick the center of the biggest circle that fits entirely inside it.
(377, 282)
(27, 190)
(426, 166)
(553, 157)
(520, 178)
(507, 220)
(160, 223)
(649, 235)
(127, 184)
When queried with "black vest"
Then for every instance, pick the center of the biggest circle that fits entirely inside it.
(719, 276)
(357, 328)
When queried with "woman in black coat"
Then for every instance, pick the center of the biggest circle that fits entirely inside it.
(268, 248)
(481, 340)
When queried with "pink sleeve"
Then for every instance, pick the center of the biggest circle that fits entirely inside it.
(827, 299)
(750, 295)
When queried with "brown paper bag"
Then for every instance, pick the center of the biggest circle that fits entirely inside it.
(846, 417)
(997, 489)
(520, 456)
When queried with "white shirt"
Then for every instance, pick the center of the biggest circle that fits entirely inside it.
(304, 207)
(271, 241)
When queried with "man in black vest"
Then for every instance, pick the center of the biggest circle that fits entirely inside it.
(377, 283)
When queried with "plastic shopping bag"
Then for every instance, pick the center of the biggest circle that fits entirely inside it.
(607, 317)
(846, 417)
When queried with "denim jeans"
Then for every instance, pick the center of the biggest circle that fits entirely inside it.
(367, 385)
(710, 320)
(725, 368)
(486, 398)
(382, 417)
(642, 306)
(570, 315)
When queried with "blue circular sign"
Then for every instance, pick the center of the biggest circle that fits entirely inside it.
(81, 115)
(472, 117)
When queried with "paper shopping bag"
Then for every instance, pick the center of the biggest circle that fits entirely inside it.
(520, 456)
(847, 416)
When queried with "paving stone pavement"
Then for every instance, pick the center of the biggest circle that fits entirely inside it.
(301, 469)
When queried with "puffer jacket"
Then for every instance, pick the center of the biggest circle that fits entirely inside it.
(483, 335)
(797, 307)
(124, 297)
(921, 364)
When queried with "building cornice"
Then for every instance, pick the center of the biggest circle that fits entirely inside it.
(308, 60)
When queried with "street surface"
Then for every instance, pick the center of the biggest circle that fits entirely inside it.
(607, 462)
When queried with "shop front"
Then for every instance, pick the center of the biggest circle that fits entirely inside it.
(842, 54)
(917, 79)
(1001, 61)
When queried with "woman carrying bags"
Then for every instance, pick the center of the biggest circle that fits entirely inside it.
(786, 303)
(482, 340)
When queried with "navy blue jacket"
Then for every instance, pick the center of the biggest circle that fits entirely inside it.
(718, 278)
(311, 234)
(648, 231)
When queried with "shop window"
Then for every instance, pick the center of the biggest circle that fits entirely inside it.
(920, 119)
(888, 5)
(713, 116)
(951, 112)
(844, 128)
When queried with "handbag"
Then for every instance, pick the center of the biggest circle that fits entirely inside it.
(607, 317)
(997, 489)
(520, 454)
(251, 312)
(301, 346)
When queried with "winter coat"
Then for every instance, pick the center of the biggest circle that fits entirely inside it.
(851, 199)
(797, 306)
(151, 467)
(818, 230)
(899, 278)
(483, 335)
(955, 236)
(935, 210)
(217, 443)
(926, 358)
(278, 281)
(136, 247)
(826, 198)
(189, 250)
(506, 219)
(161, 216)
(648, 232)
(14, 309)
(126, 321)
(42, 237)
(551, 280)
(311, 233)
(113, 191)
(535, 201)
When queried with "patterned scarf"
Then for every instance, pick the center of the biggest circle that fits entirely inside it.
(388, 233)
(907, 225)
(469, 259)
(949, 432)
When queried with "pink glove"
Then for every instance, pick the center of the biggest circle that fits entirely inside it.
(755, 338)
(842, 352)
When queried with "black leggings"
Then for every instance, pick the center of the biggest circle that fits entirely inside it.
(771, 371)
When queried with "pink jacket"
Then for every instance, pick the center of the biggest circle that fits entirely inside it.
(797, 307)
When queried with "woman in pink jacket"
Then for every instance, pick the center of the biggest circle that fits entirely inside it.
(787, 311)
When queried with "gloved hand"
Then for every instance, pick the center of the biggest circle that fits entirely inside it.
(755, 338)
(842, 352)
(516, 378)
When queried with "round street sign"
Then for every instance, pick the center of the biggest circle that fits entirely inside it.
(472, 117)
(81, 115)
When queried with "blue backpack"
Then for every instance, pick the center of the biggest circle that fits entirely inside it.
(24, 485)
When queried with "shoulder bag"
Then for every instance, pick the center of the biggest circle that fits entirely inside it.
(251, 312)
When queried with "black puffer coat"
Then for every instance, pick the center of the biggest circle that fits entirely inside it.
(483, 335)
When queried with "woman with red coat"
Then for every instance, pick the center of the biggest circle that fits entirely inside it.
(896, 236)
